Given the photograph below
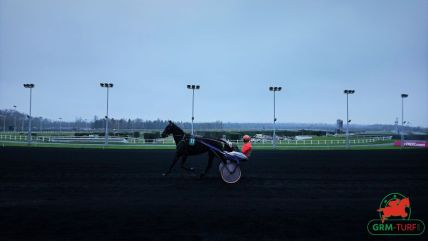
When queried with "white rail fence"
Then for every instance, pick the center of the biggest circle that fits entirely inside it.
(168, 141)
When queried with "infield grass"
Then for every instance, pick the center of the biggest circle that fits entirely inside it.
(376, 146)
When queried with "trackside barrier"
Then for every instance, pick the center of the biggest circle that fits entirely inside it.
(168, 141)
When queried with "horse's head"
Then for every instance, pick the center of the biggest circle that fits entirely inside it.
(171, 128)
(405, 202)
(168, 129)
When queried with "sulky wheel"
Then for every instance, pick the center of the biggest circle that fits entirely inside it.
(230, 173)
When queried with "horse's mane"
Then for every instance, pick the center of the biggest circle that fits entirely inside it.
(177, 127)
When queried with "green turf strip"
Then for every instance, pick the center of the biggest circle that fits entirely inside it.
(376, 146)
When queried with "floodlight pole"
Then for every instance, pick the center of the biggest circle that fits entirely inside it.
(193, 108)
(14, 122)
(107, 86)
(402, 119)
(106, 119)
(60, 128)
(274, 120)
(29, 86)
(193, 87)
(30, 137)
(347, 92)
(347, 120)
(274, 89)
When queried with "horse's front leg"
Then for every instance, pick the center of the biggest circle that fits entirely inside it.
(209, 164)
(183, 161)
(172, 165)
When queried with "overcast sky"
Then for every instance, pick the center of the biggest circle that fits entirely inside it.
(235, 50)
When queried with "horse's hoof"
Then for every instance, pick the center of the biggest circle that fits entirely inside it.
(164, 174)
(192, 169)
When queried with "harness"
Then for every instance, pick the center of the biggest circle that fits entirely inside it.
(225, 154)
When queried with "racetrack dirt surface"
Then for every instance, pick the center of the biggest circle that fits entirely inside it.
(83, 194)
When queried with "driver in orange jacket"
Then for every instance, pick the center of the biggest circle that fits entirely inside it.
(246, 148)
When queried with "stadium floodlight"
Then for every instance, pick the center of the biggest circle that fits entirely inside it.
(347, 92)
(402, 119)
(193, 88)
(274, 89)
(107, 86)
(29, 86)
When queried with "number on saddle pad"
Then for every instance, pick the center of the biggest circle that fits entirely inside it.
(191, 141)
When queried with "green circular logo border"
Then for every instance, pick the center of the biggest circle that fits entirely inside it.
(396, 193)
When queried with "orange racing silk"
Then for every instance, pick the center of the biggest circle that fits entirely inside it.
(246, 148)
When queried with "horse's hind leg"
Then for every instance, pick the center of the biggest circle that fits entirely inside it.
(183, 161)
(209, 164)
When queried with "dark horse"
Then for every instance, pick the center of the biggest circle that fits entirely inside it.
(185, 149)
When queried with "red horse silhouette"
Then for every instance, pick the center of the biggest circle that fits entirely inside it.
(396, 208)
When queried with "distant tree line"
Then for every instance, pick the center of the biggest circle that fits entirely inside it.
(11, 120)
